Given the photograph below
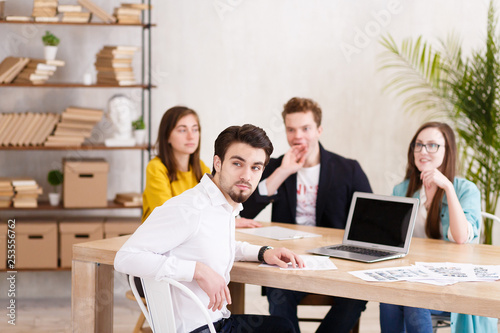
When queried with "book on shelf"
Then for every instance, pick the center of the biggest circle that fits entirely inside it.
(77, 125)
(18, 18)
(72, 132)
(44, 12)
(7, 137)
(84, 111)
(30, 130)
(55, 62)
(45, 129)
(77, 17)
(11, 67)
(77, 117)
(127, 11)
(23, 181)
(45, 3)
(97, 11)
(24, 203)
(116, 82)
(40, 66)
(47, 19)
(21, 130)
(142, 6)
(130, 199)
(69, 8)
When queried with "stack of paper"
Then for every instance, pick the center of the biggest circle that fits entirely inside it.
(74, 14)
(75, 126)
(45, 10)
(114, 65)
(26, 193)
(38, 71)
(129, 13)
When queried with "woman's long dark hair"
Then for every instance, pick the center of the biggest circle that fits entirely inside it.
(448, 168)
(166, 153)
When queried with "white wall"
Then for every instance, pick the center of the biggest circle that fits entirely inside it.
(239, 61)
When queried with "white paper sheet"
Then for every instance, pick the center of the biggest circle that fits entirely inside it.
(313, 263)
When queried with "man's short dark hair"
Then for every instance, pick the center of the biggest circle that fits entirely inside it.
(252, 135)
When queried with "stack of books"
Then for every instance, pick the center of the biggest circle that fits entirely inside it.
(129, 13)
(38, 71)
(26, 192)
(74, 14)
(6, 192)
(97, 11)
(45, 10)
(26, 129)
(75, 126)
(11, 67)
(131, 199)
(114, 65)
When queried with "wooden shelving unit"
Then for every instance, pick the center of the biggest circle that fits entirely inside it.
(73, 85)
(44, 205)
(76, 23)
(84, 147)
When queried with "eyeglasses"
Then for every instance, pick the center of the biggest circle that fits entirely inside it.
(430, 147)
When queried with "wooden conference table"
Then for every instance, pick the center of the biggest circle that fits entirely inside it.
(92, 278)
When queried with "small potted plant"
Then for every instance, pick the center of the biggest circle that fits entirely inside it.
(139, 130)
(55, 178)
(50, 41)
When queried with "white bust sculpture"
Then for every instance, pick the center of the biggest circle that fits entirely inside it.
(121, 112)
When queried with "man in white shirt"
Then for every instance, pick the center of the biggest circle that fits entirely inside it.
(191, 238)
(311, 186)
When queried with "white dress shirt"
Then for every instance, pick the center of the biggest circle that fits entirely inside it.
(197, 225)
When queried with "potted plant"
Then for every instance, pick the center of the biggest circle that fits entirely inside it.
(51, 42)
(139, 130)
(465, 90)
(55, 178)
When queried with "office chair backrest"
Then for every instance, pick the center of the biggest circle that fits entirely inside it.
(158, 296)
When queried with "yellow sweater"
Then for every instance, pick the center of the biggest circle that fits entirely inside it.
(159, 188)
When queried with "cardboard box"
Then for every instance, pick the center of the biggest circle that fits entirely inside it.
(3, 245)
(85, 183)
(74, 232)
(36, 244)
(120, 226)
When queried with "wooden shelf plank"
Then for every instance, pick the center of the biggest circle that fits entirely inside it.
(77, 23)
(44, 205)
(73, 85)
(84, 147)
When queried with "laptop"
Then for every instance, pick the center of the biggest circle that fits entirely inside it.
(379, 227)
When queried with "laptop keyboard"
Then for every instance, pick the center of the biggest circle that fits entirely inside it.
(361, 250)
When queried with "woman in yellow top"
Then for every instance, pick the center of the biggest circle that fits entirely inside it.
(178, 166)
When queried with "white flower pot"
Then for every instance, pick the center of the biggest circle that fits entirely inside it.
(50, 52)
(54, 199)
(140, 137)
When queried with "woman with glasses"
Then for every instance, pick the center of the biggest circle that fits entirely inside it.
(450, 209)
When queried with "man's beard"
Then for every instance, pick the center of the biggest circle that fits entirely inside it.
(240, 197)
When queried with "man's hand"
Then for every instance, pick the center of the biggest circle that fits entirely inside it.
(281, 257)
(242, 222)
(294, 159)
(213, 285)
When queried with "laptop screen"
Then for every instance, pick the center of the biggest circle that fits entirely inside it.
(380, 222)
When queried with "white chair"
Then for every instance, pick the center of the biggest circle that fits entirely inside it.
(444, 321)
(159, 301)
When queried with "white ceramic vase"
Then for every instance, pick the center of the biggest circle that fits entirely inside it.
(54, 199)
(140, 136)
(50, 52)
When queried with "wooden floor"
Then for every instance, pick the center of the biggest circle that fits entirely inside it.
(54, 315)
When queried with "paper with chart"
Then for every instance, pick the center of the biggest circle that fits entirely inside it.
(440, 273)
(312, 263)
(278, 233)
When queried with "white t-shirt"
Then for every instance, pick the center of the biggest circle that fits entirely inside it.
(307, 192)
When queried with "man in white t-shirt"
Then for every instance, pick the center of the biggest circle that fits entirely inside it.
(311, 186)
